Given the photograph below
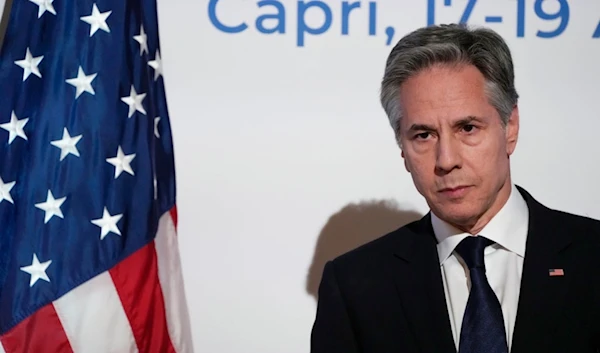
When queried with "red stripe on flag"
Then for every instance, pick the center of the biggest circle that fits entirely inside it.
(136, 280)
(174, 215)
(42, 332)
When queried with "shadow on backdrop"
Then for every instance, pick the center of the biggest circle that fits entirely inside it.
(352, 226)
(4, 20)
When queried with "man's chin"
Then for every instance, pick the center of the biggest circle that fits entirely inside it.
(458, 216)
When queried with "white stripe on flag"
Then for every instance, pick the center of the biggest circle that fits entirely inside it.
(171, 282)
(93, 318)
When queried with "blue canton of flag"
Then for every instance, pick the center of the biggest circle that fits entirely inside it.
(86, 175)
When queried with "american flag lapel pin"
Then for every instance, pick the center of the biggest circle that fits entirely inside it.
(553, 272)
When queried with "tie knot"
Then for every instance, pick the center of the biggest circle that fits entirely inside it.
(471, 250)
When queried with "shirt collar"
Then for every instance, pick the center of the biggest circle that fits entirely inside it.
(508, 228)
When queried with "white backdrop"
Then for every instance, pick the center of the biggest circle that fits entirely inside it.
(285, 158)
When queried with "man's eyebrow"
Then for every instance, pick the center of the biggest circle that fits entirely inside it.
(461, 122)
(421, 127)
(468, 120)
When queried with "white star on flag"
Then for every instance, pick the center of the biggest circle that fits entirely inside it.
(37, 270)
(67, 144)
(142, 38)
(15, 127)
(121, 162)
(156, 64)
(156, 121)
(30, 65)
(135, 102)
(108, 223)
(44, 5)
(5, 191)
(97, 20)
(51, 207)
(82, 82)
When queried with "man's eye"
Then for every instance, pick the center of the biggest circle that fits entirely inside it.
(422, 136)
(469, 128)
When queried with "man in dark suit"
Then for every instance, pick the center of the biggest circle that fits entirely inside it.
(488, 269)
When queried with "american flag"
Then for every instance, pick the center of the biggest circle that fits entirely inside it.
(88, 252)
(556, 272)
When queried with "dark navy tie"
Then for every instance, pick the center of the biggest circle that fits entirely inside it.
(482, 326)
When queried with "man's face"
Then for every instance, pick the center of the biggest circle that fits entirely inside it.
(454, 144)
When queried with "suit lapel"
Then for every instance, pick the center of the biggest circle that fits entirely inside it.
(541, 295)
(418, 279)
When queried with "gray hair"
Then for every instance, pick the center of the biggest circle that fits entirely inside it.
(453, 44)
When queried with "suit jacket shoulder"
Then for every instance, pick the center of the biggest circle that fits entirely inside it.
(384, 296)
(556, 226)
(582, 227)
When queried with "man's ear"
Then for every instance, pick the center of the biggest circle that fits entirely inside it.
(405, 162)
(512, 131)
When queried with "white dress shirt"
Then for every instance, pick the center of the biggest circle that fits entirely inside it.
(503, 261)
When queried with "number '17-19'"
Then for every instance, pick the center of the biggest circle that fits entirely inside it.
(560, 16)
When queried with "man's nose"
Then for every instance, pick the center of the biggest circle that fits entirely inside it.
(448, 155)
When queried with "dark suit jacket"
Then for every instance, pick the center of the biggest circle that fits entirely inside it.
(388, 296)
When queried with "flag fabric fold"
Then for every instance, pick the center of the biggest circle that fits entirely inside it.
(89, 258)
